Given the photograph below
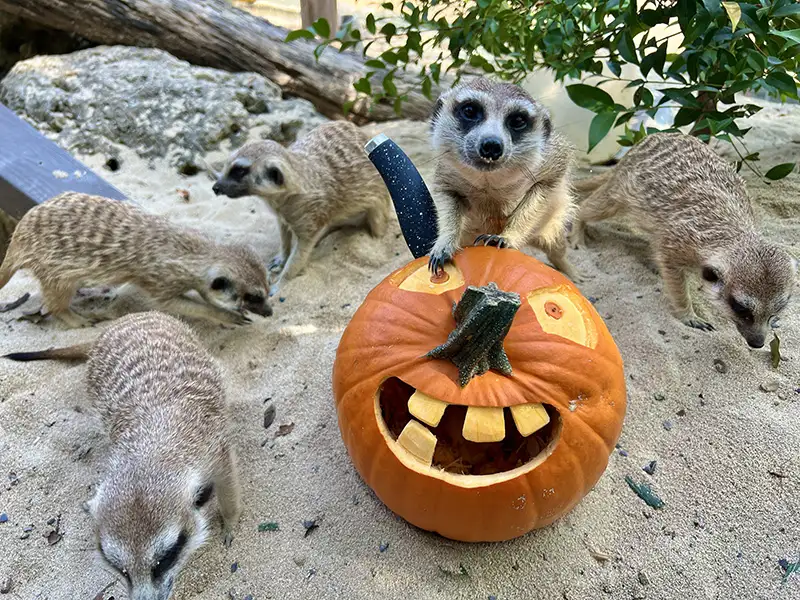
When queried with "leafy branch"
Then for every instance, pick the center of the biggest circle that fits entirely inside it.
(723, 49)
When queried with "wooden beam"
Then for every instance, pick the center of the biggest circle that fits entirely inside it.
(311, 10)
(34, 169)
(212, 33)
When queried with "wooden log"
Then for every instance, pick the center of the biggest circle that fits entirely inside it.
(311, 10)
(212, 33)
(34, 169)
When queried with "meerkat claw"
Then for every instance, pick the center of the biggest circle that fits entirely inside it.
(491, 240)
(276, 264)
(698, 324)
(437, 262)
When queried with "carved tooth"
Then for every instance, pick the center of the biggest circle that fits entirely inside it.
(484, 424)
(427, 409)
(419, 441)
(529, 418)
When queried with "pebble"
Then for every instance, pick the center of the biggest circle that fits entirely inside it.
(770, 386)
(299, 560)
(681, 413)
(720, 365)
(623, 453)
(6, 585)
(269, 416)
(384, 546)
(650, 468)
(234, 567)
(3, 518)
(643, 578)
(658, 396)
(667, 425)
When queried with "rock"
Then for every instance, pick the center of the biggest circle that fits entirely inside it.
(96, 100)
(770, 386)
(720, 365)
(6, 585)
(643, 578)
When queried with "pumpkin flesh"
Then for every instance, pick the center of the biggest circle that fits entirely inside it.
(580, 383)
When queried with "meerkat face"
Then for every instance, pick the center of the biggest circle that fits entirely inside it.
(754, 290)
(147, 530)
(256, 168)
(489, 125)
(239, 282)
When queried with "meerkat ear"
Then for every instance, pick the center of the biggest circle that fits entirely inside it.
(275, 175)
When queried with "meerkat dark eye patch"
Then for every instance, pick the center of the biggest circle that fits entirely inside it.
(740, 309)
(168, 559)
(469, 114)
(203, 495)
(238, 171)
(275, 176)
(221, 283)
(518, 122)
(710, 274)
(255, 299)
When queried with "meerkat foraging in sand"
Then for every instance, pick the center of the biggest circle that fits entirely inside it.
(321, 182)
(695, 210)
(171, 469)
(77, 239)
(503, 174)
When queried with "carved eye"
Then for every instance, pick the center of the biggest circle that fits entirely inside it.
(421, 280)
(560, 313)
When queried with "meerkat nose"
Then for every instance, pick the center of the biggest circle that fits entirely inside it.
(216, 188)
(491, 148)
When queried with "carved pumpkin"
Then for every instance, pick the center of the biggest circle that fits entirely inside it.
(481, 404)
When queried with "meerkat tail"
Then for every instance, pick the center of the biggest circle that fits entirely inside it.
(583, 187)
(77, 352)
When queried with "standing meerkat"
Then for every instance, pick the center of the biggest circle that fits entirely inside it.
(503, 174)
(77, 239)
(321, 182)
(171, 469)
(695, 210)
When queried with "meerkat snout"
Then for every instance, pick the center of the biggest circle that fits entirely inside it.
(754, 289)
(252, 170)
(240, 283)
(150, 552)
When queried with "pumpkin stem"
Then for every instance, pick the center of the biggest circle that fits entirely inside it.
(483, 318)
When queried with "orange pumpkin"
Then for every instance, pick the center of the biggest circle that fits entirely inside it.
(471, 453)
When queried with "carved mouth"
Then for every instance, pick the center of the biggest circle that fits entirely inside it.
(460, 443)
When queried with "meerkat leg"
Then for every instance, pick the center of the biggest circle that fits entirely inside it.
(202, 310)
(57, 296)
(6, 272)
(301, 253)
(677, 289)
(451, 219)
(598, 206)
(377, 221)
(229, 495)
(557, 255)
(276, 264)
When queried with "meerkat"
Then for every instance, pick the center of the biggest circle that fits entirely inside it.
(696, 213)
(171, 469)
(503, 173)
(7, 226)
(77, 239)
(321, 182)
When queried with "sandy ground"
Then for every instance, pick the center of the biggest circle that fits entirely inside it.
(728, 465)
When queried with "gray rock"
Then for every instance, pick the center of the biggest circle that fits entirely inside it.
(95, 100)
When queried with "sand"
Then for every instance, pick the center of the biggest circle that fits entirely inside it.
(728, 464)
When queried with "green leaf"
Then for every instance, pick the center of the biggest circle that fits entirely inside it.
(347, 107)
(298, 34)
(734, 13)
(398, 104)
(599, 128)
(643, 96)
(614, 67)
(686, 116)
(589, 96)
(388, 85)
(426, 88)
(374, 64)
(371, 24)
(388, 6)
(788, 10)
(793, 35)
(388, 30)
(363, 85)
(775, 350)
(322, 28)
(626, 48)
(782, 82)
(780, 171)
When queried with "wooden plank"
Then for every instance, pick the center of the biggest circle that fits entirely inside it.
(34, 169)
(311, 10)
